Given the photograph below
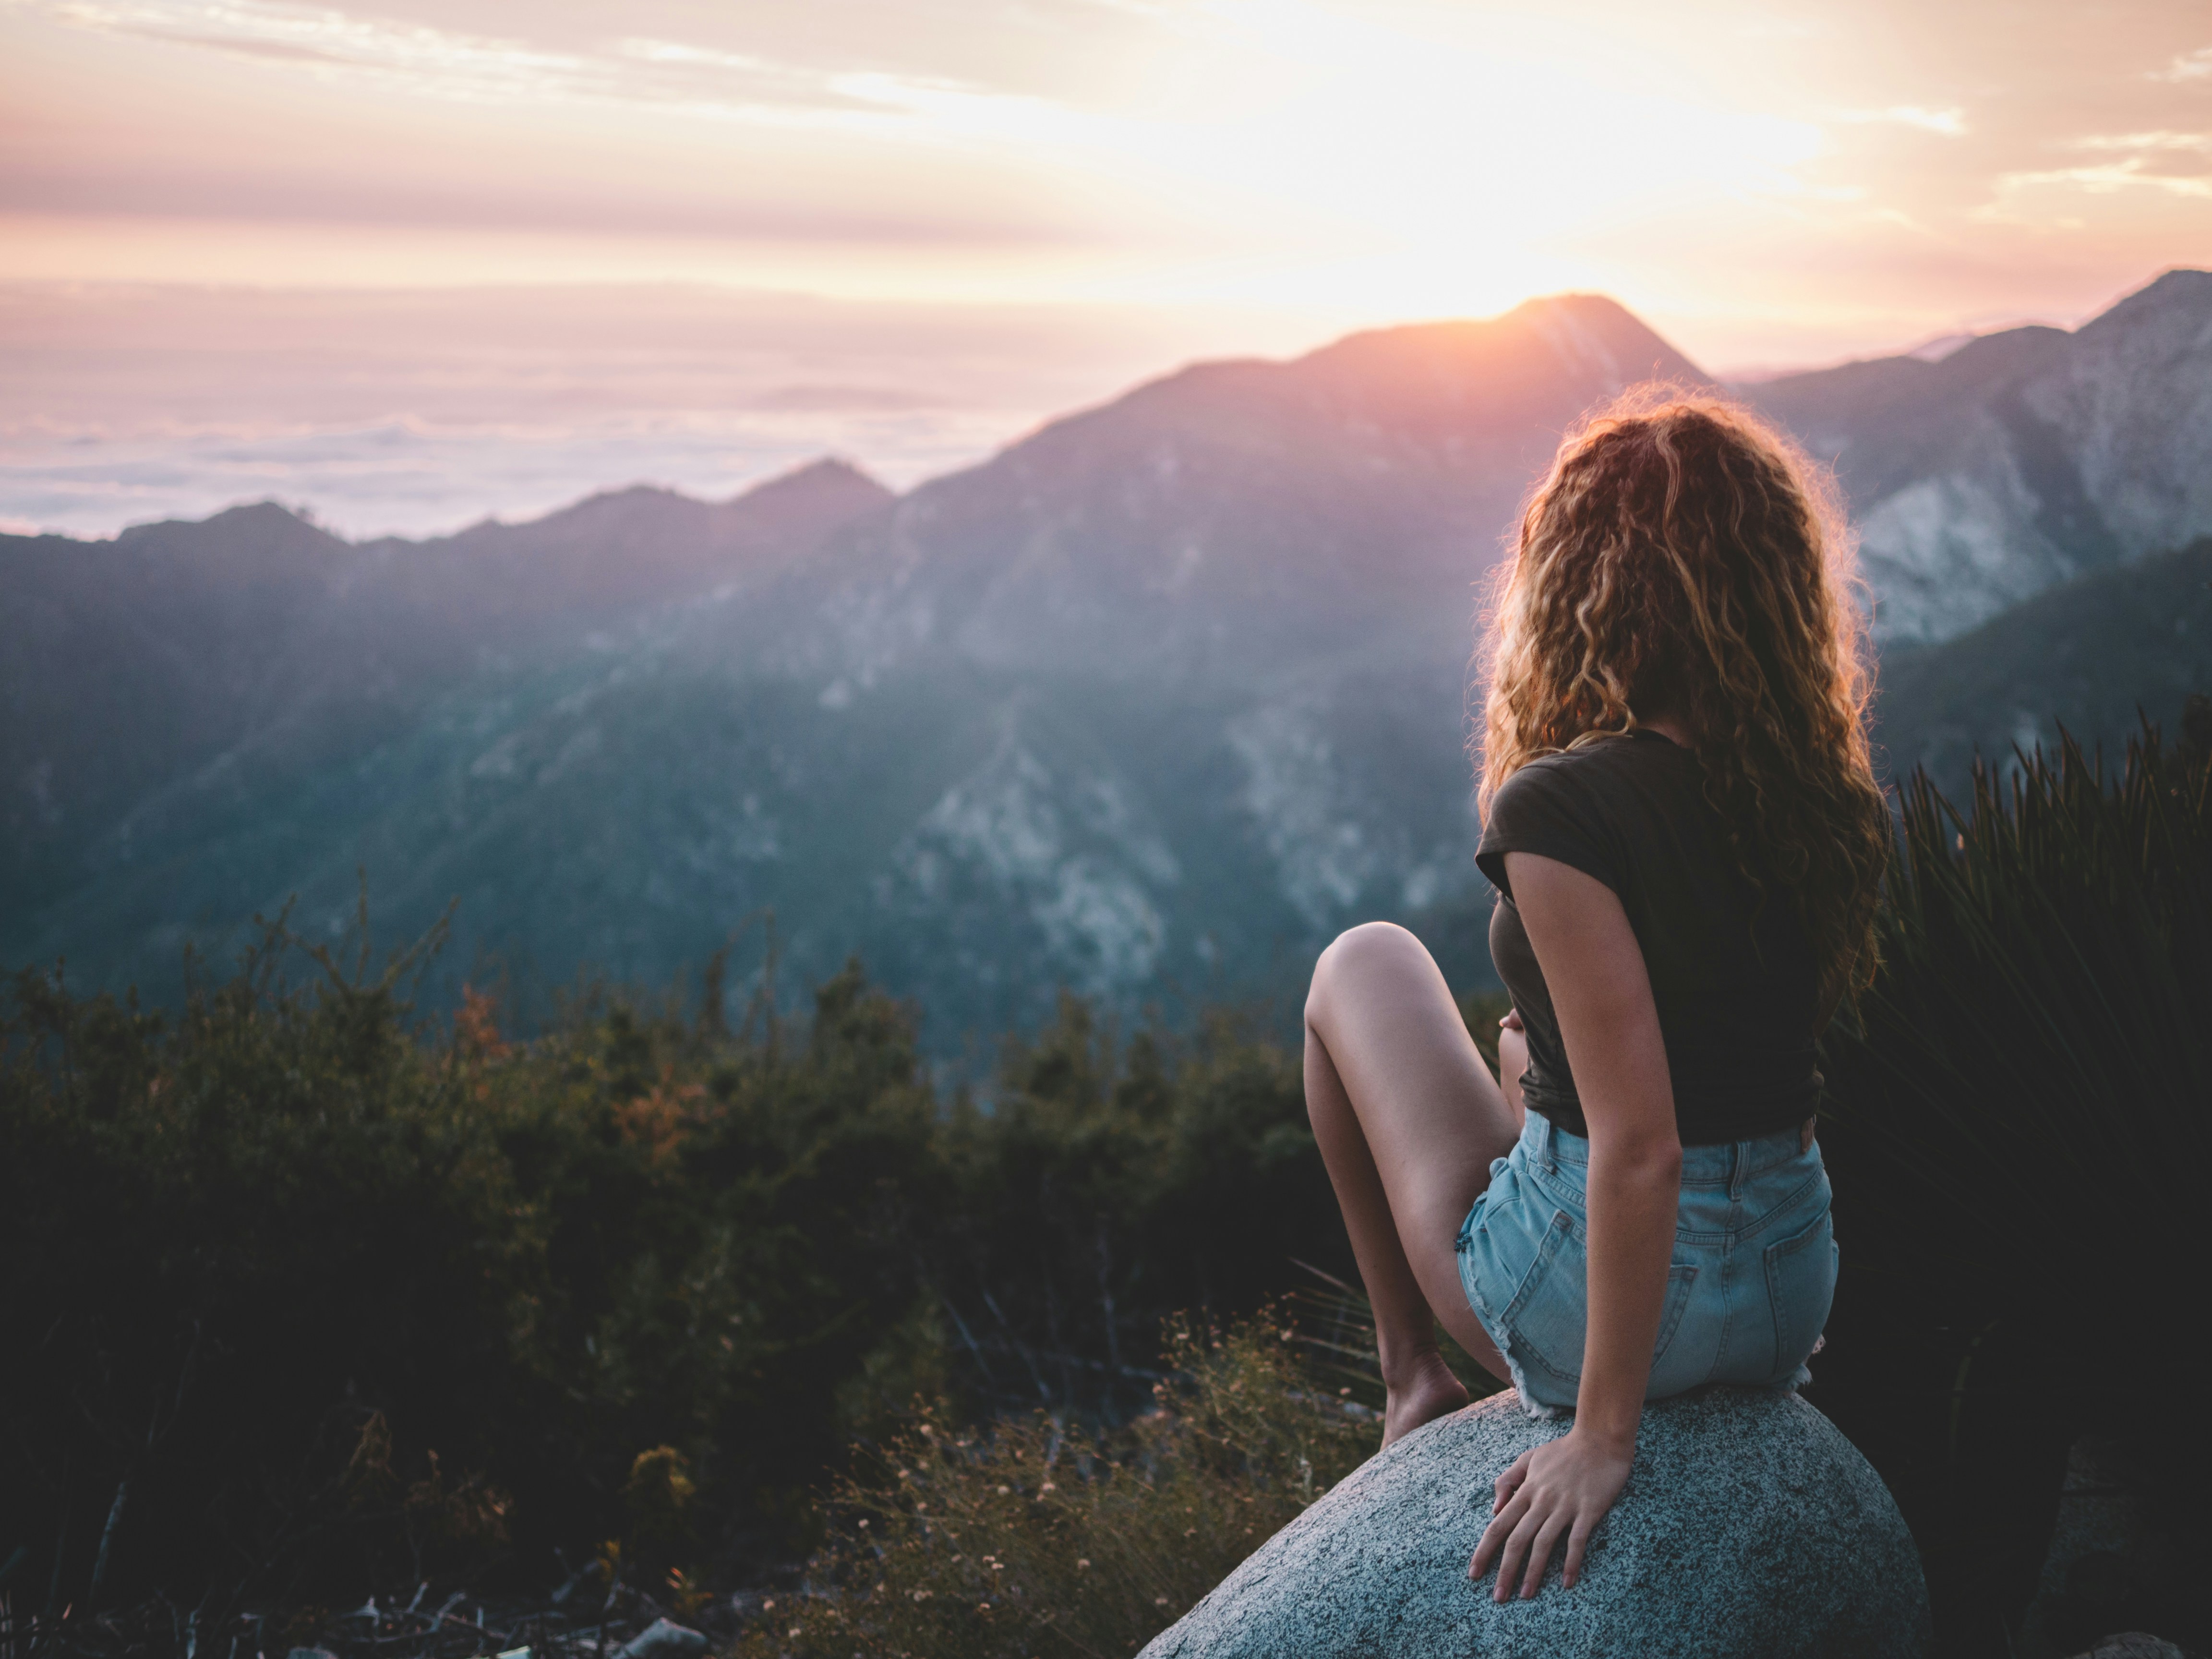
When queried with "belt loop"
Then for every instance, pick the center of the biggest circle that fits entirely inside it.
(1740, 1161)
(1550, 1135)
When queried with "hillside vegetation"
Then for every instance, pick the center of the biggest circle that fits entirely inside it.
(307, 1293)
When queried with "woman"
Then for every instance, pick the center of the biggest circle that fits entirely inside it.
(1682, 824)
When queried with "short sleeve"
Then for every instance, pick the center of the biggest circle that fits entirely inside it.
(1543, 809)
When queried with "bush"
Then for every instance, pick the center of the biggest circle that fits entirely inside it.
(306, 1292)
(224, 1239)
(1035, 1536)
(2018, 1127)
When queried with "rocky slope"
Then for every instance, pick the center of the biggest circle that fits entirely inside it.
(2097, 656)
(2022, 460)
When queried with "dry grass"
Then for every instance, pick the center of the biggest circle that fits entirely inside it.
(1030, 1538)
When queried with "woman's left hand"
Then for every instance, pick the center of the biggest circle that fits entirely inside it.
(1562, 1489)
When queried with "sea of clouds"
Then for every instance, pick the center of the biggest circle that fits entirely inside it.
(419, 412)
(410, 476)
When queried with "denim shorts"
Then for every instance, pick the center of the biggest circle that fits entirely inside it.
(1753, 1271)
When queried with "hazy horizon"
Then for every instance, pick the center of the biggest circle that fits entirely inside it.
(411, 265)
(140, 403)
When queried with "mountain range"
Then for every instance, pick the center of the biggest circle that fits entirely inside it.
(1145, 705)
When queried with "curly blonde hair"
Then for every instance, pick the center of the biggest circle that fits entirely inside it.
(1683, 559)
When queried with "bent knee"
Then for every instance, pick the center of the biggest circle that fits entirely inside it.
(1356, 954)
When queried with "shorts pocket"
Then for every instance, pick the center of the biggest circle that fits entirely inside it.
(1800, 1284)
(1682, 1358)
(1681, 1276)
(1548, 1320)
(1550, 1311)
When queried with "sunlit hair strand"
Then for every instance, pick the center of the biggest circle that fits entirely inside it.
(1683, 559)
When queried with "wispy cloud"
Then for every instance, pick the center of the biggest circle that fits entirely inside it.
(2138, 142)
(473, 68)
(677, 52)
(670, 76)
(2191, 66)
(2156, 161)
(1950, 123)
(2106, 179)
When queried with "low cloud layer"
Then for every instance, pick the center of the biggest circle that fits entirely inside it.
(418, 412)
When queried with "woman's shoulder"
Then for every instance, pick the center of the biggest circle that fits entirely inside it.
(1599, 790)
(1593, 764)
(1603, 806)
(1561, 776)
(1549, 807)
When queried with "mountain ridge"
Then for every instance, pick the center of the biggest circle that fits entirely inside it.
(212, 641)
(1150, 702)
(2027, 458)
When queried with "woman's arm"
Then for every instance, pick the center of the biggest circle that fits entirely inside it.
(1610, 1025)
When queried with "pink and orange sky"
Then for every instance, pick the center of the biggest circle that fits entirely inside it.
(726, 234)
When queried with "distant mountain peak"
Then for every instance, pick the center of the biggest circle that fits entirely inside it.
(246, 516)
(2007, 351)
(829, 480)
(2181, 280)
(1586, 338)
(1586, 310)
(263, 527)
(823, 469)
(1599, 309)
(2181, 290)
(804, 503)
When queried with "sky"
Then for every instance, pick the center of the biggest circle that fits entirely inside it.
(409, 264)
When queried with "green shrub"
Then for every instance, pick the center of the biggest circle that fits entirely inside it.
(1033, 1536)
(305, 1291)
(1111, 1184)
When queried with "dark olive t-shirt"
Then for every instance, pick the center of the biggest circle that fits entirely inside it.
(1734, 981)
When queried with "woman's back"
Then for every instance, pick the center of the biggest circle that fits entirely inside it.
(1734, 979)
(1677, 579)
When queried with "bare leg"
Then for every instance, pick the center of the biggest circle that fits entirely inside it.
(1408, 1119)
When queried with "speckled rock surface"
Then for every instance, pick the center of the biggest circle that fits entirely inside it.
(1750, 1529)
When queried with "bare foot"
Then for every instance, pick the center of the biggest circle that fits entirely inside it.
(1428, 1391)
